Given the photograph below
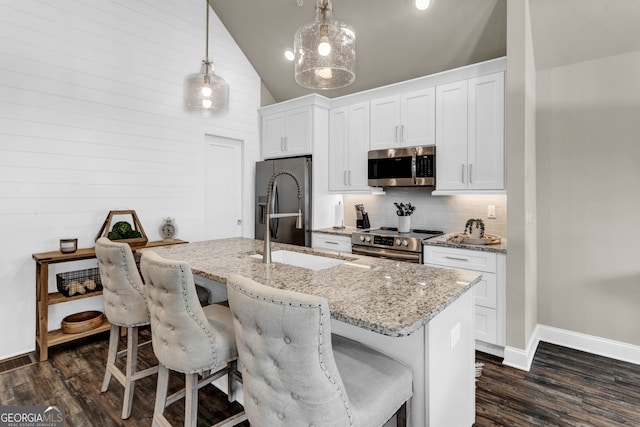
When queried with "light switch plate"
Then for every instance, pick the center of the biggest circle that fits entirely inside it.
(491, 211)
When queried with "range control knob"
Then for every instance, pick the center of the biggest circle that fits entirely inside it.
(398, 241)
(368, 239)
(362, 238)
(405, 243)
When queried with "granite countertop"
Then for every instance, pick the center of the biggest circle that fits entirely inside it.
(443, 241)
(388, 297)
(435, 241)
(346, 231)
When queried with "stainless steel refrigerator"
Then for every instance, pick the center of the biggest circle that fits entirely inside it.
(284, 199)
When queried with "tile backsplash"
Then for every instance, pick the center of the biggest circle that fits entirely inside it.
(446, 213)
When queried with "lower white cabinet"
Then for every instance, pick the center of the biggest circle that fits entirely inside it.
(331, 242)
(490, 293)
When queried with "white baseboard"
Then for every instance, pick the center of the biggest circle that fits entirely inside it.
(601, 346)
(617, 350)
(522, 359)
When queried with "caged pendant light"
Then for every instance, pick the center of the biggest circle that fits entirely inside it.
(325, 51)
(205, 92)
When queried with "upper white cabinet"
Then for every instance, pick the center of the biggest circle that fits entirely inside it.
(348, 146)
(287, 133)
(470, 134)
(404, 120)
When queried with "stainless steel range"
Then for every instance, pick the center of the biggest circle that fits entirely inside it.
(388, 242)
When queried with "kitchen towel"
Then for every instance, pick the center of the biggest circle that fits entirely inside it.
(339, 216)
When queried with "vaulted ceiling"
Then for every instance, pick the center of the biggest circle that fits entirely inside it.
(397, 42)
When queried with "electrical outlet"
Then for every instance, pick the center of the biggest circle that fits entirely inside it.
(491, 211)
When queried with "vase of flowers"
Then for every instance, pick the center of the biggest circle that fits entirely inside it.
(404, 211)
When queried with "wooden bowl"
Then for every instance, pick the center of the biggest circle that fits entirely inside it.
(82, 322)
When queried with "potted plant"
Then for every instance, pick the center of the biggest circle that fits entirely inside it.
(404, 211)
(478, 231)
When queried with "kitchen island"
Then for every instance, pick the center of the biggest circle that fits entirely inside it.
(420, 315)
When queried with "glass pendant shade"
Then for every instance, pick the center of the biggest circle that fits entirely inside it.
(205, 92)
(325, 51)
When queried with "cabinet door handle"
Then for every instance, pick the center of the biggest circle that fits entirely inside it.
(286, 143)
(344, 177)
(395, 137)
(463, 173)
(470, 173)
(349, 177)
(402, 133)
(457, 258)
(331, 243)
(282, 143)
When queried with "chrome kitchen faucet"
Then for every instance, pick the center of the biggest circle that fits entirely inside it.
(266, 253)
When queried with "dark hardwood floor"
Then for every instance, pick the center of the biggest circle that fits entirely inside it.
(564, 388)
(72, 378)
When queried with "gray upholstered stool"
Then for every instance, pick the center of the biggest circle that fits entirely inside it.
(124, 306)
(295, 373)
(187, 337)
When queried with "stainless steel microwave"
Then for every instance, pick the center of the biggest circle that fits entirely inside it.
(402, 167)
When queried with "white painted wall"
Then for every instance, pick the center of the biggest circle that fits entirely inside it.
(588, 162)
(91, 120)
(521, 177)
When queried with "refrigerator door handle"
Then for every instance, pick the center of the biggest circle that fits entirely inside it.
(262, 205)
(275, 222)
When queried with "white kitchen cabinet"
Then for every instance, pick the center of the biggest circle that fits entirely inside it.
(287, 133)
(331, 242)
(348, 146)
(470, 135)
(490, 293)
(405, 120)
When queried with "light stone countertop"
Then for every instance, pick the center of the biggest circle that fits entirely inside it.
(346, 231)
(443, 241)
(388, 297)
(435, 241)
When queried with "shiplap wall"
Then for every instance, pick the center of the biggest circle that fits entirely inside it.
(91, 120)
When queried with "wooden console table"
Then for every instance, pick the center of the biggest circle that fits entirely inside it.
(44, 337)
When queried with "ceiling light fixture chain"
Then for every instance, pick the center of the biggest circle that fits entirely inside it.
(206, 92)
(324, 51)
(206, 61)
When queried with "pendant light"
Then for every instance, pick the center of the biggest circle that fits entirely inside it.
(205, 92)
(325, 51)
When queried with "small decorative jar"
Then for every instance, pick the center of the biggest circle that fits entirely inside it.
(68, 246)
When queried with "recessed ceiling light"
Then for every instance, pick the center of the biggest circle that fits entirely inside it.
(289, 54)
(423, 4)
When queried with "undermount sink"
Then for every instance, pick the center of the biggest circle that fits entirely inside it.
(298, 259)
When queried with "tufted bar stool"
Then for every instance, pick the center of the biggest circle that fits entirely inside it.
(125, 306)
(187, 337)
(296, 373)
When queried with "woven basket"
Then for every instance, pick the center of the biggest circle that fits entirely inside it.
(82, 322)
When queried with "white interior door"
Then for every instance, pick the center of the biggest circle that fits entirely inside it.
(223, 187)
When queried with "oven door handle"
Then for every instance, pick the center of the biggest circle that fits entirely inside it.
(381, 253)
